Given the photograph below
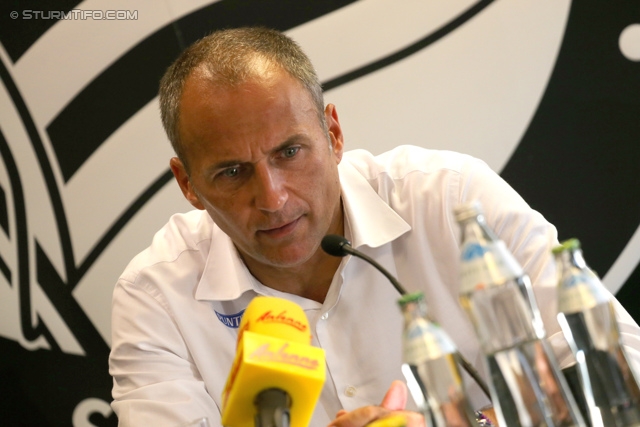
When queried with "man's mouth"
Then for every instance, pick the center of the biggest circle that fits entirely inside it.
(280, 230)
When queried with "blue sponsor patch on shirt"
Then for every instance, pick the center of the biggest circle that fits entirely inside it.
(230, 320)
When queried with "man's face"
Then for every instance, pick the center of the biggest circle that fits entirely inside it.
(261, 165)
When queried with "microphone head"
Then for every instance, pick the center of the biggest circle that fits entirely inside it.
(276, 317)
(273, 352)
(334, 245)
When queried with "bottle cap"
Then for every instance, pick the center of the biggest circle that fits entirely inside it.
(567, 245)
(467, 210)
(409, 298)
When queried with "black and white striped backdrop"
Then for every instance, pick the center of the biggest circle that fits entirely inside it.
(547, 92)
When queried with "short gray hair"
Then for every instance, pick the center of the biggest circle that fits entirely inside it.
(227, 56)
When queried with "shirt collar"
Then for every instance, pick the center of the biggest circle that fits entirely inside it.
(371, 222)
(224, 276)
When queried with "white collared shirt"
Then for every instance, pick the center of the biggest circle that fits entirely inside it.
(177, 305)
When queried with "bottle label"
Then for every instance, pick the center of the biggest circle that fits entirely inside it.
(581, 291)
(426, 341)
(485, 265)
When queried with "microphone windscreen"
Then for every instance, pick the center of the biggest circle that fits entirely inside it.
(273, 352)
(334, 245)
(276, 317)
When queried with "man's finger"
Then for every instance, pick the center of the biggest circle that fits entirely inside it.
(396, 397)
(360, 417)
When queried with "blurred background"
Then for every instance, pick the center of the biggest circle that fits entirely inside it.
(547, 92)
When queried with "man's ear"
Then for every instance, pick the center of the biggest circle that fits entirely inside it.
(181, 175)
(335, 130)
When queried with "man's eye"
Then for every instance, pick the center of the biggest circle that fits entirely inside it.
(290, 151)
(230, 172)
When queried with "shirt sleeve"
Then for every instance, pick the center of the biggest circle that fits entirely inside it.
(155, 381)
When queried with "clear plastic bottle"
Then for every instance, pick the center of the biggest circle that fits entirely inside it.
(431, 369)
(587, 318)
(527, 386)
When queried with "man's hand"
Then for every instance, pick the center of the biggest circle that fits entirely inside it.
(390, 409)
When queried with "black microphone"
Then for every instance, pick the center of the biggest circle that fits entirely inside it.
(339, 246)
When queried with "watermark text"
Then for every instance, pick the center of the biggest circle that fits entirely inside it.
(77, 14)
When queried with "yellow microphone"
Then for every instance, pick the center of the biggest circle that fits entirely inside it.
(277, 375)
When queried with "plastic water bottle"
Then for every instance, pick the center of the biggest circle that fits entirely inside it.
(431, 369)
(527, 386)
(587, 318)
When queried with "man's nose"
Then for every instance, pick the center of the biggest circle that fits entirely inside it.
(270, 192)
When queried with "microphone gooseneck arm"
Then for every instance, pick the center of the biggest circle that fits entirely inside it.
(339, 246)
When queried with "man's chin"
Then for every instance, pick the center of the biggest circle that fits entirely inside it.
(286, 261)
(288, 257)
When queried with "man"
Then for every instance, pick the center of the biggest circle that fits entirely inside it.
(261, 159)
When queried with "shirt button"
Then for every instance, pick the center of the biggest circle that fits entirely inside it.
(325, 316)
(350, 391)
